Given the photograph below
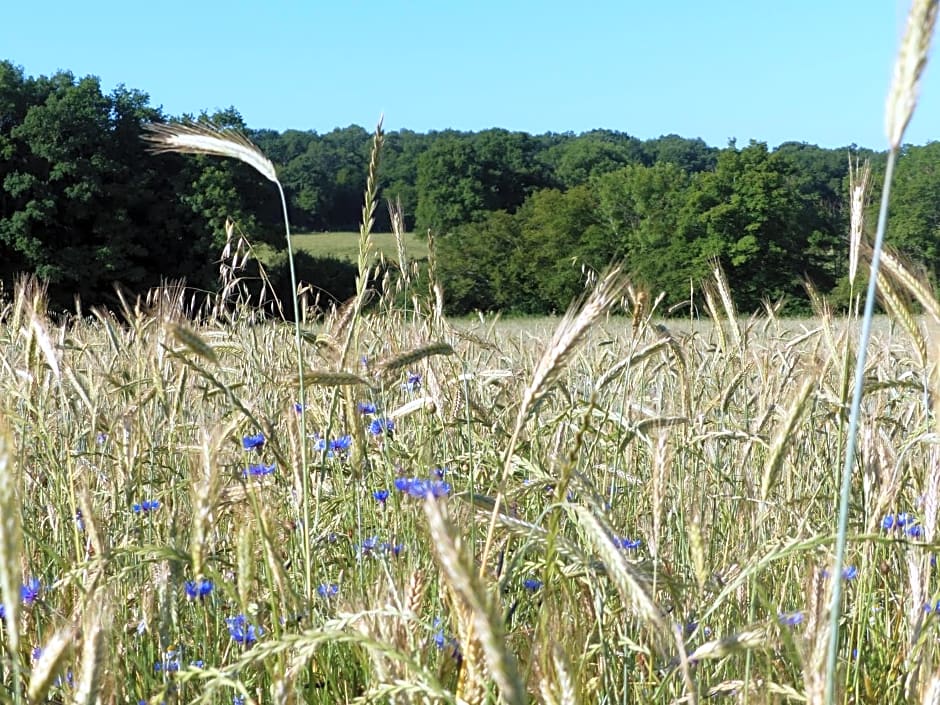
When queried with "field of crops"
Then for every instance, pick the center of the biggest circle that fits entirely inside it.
(600, 508)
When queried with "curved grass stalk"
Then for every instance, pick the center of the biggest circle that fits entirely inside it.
(902, 99)
(205, 139)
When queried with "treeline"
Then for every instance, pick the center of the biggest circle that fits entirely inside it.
(519, 218)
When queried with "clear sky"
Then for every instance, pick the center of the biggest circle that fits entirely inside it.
(808, 70)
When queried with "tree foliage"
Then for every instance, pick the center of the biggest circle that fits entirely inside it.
(521, 218)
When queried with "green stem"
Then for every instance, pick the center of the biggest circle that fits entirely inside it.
(305, 476)
(864, 338)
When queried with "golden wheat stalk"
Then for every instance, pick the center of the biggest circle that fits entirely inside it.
(50, 663)
(11, 539)
(568, 335)
(917, 286)
(719, 648)
(487, 624)
(859, 182)
(192, 138)
(634, 588)
(912, 58)
(94, 653)
(785, 434)
(331, 378)
(411, 357)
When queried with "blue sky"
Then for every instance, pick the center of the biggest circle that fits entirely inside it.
(806, 70)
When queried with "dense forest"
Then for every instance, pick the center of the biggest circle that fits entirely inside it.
(518, 219)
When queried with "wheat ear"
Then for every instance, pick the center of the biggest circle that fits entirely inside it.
(570, 332)
(191, 138)
(912, 58)
(487, 624)
(859, 185)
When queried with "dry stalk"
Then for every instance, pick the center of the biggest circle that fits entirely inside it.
(859, 186)
(94, 652)
(912, 58)
(51, 660)
(11, 539)
(487, 625)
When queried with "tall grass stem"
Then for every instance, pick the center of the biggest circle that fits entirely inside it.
(858, 390)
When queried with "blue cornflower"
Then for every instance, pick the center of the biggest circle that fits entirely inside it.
(148, 505)
(369, 545)
(932, 608)
(419, 488)
(30, 591)
(899, 521)
(255, 442)
(790, 619)
(331, 447)
(327, 591)
(627, 544)
(298, 407)
(341, 444)
(3, 612)
(441, 641)
(532, 584)
(394, 549)
(380, 496)
(198, 663)
(380, 426)
(37, 653)
(848, 573)
(904, 522)
(438, 489)
(79, 520)
(101, 438)
(366, 408)
(439, 473)
(166, 666)
(255, 470)
(197, 588)
(416, 487)
(238, 700)
(242, 631)
(692, 626)
(413, 384)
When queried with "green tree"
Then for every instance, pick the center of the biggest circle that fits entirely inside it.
(754, 218)
(576, 159)
(914, 213)
(449, 184)
(647, 221)
(473, 263)
(691, 155)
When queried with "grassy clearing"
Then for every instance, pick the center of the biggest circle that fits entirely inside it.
(345, 245)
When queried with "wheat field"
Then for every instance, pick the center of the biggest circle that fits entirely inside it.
(664, 532)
